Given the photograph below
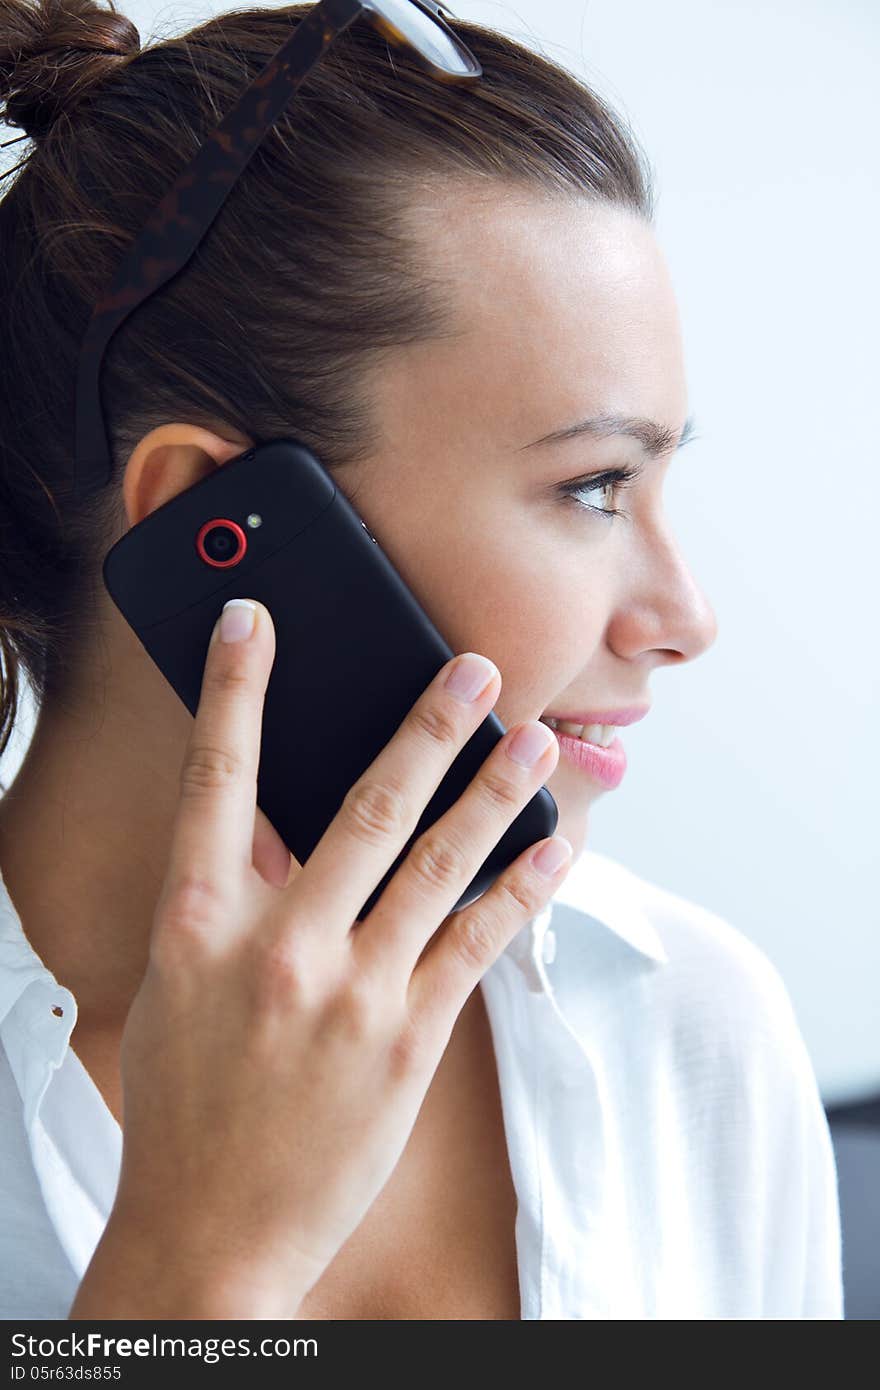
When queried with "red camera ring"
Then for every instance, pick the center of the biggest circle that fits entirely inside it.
(232, 526)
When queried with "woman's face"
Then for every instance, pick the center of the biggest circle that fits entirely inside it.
(566, 312)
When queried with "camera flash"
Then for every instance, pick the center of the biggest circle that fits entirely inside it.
(254, 520)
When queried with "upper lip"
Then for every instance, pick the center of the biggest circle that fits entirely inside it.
(602, 716)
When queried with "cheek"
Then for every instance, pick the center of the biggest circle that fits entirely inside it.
(506, 591)
(539, 630)
(484, 592)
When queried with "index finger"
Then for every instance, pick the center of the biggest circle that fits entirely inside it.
(212, 839)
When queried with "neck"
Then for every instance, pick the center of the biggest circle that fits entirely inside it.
(85, 837)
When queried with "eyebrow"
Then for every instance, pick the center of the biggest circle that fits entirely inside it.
(655, 439)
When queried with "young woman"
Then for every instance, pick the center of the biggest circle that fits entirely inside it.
(218, 1098)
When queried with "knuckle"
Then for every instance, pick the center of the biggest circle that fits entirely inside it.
(354, 1011)
(474, 938)
(228, 678)
(191, 915)
(374, 811)
(407, 1051)
(435, 723)
(436, 861)
(281, 975)
(193, 899)
(207, 768)
(520, 895)
(501, 791)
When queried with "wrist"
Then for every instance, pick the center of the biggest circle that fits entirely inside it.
(164, 1275)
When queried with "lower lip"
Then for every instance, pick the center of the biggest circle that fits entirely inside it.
(607, 765)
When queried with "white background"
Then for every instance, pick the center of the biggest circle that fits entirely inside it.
(752, 787)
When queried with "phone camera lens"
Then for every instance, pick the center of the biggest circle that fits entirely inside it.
(221, 543)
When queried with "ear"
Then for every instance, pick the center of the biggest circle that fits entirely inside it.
(170, 459)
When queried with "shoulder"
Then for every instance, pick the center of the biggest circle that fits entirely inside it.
(706, 965)
(685, 995)
(756, 1093)
(696, 1021)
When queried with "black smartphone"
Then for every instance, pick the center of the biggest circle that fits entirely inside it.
(354, 649)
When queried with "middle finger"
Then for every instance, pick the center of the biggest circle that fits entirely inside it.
(448, 855)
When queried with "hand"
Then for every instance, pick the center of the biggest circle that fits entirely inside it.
(277, 1053)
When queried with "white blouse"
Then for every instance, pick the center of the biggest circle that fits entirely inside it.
(667, 1141)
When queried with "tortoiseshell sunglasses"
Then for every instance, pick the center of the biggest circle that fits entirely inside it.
(179, 222)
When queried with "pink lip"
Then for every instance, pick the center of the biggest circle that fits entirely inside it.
(605, 716)
(606, 765)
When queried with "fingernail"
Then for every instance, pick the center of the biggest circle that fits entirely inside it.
(530, 743)
(469, 677)
(237, 620)
(550, 858)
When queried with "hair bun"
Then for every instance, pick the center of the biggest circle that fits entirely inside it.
(53, 51)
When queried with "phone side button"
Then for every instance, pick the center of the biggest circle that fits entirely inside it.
(369, 533)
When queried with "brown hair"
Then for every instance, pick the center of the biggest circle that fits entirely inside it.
(307, 275)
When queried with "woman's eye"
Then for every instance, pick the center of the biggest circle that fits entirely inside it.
(599, 483)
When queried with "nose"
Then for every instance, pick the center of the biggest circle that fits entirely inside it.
(697, 626)
(667, 611)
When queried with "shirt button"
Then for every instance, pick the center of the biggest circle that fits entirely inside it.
(548, 950)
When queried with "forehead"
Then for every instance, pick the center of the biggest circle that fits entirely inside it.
(561, 305)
